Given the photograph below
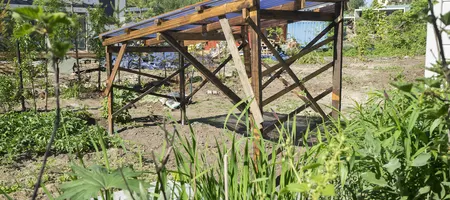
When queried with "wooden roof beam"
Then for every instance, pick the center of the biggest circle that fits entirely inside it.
(296, 15)
(181, 21)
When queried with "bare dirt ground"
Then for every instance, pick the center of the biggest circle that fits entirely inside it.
(206, 115)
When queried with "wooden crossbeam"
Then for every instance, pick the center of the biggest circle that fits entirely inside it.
(293, 86)
(149, 90)
(297, 56)
(296, 111)
(203, 83)
(143, 74)
(195, 36)
(296, 15)
(233, 22)
(114, 49)
(181, 21)
(311, 46)
(286, 67)
(121, 87)
(202, 69)
(240, 68)
(115, 69)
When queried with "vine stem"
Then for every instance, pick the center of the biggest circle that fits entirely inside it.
(55, 125)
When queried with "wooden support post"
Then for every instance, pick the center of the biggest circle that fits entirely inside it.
(139, 69)
(337, 57)
(202, 69)
(285, 66)
(182, 88)
(99, 77)
(203, 83)
(308, 48)
(110, 94)
(111, 77)
(247, 61)
(231, 43)
(149, 90)
(255, 60)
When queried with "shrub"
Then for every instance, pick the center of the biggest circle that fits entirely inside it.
(27, 133)
(121, 98)
(8, 93)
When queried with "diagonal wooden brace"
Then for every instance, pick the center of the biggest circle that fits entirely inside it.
(308, 48)
(202, 69)
(286, 67)
(110, 80)
(203, 83)
(231, 43)
(150, 90)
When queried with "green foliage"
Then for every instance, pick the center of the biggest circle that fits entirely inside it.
(8, 92)
(99, 181)
(27, 133)
(355, 4)
(396, 34)
(121, 98)
(398, 138)
(98, 22)
(34, 19)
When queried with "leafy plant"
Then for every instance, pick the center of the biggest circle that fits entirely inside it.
(27, 133)
(121, 98)
(99, 181)
(397, 34)
(8, 93)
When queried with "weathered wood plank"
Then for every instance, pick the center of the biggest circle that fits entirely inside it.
(286, 66)
(203, 83)
(185, 20)
(110, 94)
(202, 69)
(296, 15)
(150, 90)
(296, 111)
(239, 66)
(337, 57)
(121, 87)
(115, 49)
(110, 80)
(293, 86)
(233, 22)
(143, 74)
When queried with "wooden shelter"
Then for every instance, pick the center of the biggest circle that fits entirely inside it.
(233, 20)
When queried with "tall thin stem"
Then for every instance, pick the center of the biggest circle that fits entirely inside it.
(55, 125)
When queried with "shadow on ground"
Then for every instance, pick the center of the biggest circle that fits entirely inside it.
(302, 124)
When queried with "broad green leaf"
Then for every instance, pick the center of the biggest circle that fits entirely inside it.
(435, 124)
(412, 120)
(371, 178)
(329, 190)
(23, 30)
(446, 18)
(59, 18)
(60, 48)
(405, 87)
(29, 13)
(424, 190)
(296, 187)
(392, 165)
(421, 160)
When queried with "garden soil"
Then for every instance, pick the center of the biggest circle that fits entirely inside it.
(207, 113)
